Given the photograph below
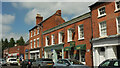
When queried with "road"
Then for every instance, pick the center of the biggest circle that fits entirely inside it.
(11, 67)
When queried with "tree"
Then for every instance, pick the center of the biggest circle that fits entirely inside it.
(12, 42)
(20, 41)
(5, 43)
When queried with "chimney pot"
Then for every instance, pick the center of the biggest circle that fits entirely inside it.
(39, 18)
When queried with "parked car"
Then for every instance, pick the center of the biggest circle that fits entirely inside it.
(43, 63)
(26, 63)
(12, 61)
(3, 62)
(110, 63)
(68, 63)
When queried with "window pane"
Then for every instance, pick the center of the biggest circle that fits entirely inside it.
(106, 63)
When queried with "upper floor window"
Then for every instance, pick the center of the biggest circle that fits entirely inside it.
(101, 11)
(118, 25)
(47, 41)
(37, 42)
(52, 39)
(103, 28)
(31, 43)
(80, 32)
(34, 43)
(117, 5)
(69, 35)
(38, 31)
(31, 33)
(61, 37)
(34, 32)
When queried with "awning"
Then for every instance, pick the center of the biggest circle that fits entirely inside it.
(67, 48)
(80, 47)
(56, 47)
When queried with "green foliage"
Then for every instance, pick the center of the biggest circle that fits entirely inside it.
(12, 42)
(20, 41)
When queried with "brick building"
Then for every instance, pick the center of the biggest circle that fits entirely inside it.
(69, 40)
(106, 31)
(36, 36)
(14, 52)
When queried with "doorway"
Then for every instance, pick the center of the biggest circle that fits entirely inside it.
(118, 52)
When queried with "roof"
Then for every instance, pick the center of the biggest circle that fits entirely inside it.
(97, 3)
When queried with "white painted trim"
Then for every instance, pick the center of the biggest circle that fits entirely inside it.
(31, 44)
(59, 35)
(100, 30)
(79, 32)
(52, 39)
(34, 42)
(116, 9)
(117, 25)
(107, 45)
(99, 12)
(35, 51)
(68, 37)
(46, 41)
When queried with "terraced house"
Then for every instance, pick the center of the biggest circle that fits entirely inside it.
(106, 31)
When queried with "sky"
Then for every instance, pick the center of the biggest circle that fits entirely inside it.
(17, 18)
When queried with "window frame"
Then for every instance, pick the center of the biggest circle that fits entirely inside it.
(38, 31)
(80, 31)
(34, 32)
(100, 32)
(38, 42)
(46, 41)
(99, 12)
(116, 9)
(52, 39)
(60, 37)
(34, 43)
(117, 24)
(31, 33)
(68, 35)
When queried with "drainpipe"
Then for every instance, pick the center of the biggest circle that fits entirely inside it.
(91, 39)
(41, 26)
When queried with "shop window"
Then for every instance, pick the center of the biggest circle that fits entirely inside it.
(103, 29)
(80, 32)
(101, 11)
(118, 25)
(82, 55)
(69, 35)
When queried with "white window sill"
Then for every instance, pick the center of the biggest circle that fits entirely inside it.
(103, 36)
(102, 15)
(117, 10)
(69, 41)
(81, 38)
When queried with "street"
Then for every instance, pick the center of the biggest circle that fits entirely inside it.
(10, 66)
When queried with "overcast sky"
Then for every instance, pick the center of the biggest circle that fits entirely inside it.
(19, 17)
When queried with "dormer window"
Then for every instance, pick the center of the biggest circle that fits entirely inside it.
(101, 11)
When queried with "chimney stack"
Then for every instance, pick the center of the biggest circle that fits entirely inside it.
(39, 18)
(58, 12)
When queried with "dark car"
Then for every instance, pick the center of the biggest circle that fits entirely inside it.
(110, 63)
(27, 63)
(69, 63)
(43, 62)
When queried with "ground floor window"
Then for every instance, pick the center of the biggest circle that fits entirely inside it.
(59, 54)
(34, 55)
(80, 55)
(26, 55)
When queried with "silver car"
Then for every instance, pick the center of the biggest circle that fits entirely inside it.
(67, 63)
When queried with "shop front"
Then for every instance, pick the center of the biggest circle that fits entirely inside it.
(13, 55)
(35, 53)
(106, 48)
(54, 52)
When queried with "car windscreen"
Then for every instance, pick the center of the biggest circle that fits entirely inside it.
(12, 59)
(46, 59)
(75, 62)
